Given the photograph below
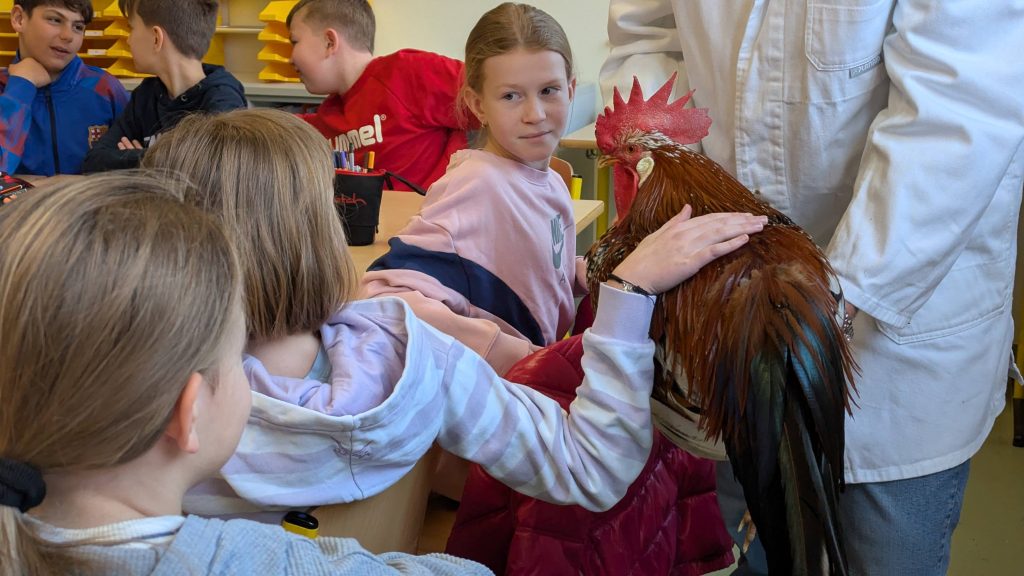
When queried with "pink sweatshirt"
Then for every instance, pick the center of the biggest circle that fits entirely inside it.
(490, 259)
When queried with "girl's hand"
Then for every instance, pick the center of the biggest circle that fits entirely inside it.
(677, 250)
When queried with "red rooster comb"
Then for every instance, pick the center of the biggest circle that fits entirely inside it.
(674, 120)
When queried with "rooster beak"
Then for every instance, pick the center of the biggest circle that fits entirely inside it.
(604, 161)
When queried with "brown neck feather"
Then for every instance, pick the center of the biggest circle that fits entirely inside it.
(682, 177)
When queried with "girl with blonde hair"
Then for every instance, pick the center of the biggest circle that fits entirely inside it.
(121, 386)
(348, 399)
(491, 257)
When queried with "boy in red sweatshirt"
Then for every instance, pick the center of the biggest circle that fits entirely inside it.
(400, 106)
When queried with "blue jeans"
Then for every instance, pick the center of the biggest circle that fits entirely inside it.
(903, 527)
(733, 506)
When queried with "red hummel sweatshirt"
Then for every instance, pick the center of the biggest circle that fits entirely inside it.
(403, 109)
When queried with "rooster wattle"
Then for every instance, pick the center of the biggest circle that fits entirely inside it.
(751, 344)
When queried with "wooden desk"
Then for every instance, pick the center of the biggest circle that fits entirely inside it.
(397, 208)
(585, 212)
(585, 139)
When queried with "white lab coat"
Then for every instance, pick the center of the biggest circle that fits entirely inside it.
(892, 131)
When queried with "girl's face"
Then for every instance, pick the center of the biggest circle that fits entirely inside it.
(524, 103)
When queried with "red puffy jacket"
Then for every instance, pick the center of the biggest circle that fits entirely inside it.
(668, 522)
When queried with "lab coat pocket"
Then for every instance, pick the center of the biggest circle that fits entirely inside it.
(847, 34)
(966, 298)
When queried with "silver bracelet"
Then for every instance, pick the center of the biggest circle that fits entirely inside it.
(628, 286)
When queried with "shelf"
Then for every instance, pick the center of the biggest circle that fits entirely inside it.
(277, 11)
(251, 41)
(111, 11)
(117, 29)
(275, 32)
(238, 30)
(277, 48)
(273, 53)
(125, 68)
(259, 91)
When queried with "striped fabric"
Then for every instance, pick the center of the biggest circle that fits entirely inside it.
(292, 456)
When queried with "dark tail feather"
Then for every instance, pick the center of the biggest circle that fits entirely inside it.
(810, 496)
(788, 483)
(780, 391)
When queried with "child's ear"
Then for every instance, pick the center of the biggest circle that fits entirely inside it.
(332, 41)
(572, 88)
(182, 428)
(159, 38)
(475, 104)
(18, 18)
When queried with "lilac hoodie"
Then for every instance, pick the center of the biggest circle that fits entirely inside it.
(398, 385)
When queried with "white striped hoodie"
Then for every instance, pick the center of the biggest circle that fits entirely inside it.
(415, 386)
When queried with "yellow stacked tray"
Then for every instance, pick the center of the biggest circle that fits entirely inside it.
(215, 54)
(106, 39)
(107, 9)
(275, 52)
(275, 32)
(8, 37)
(277, 49)
(117, 29)
(275, 72)
(277, 11)
(235, 44)
(125, 68)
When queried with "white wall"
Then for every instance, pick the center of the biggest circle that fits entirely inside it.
(443, 25)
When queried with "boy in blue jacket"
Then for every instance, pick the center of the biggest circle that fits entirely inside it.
(52, 105)
(169, 39)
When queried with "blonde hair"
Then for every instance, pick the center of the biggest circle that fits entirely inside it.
(269, 177)
(503, 29)
(112, 292)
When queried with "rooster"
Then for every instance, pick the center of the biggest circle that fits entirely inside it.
(752, 343)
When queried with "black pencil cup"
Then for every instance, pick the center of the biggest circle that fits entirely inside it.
(357, 199)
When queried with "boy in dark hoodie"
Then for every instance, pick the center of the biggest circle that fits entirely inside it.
(168, 38)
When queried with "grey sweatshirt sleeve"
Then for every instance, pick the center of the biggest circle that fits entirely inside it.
(237, 547)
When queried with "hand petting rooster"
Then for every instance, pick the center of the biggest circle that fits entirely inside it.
(752, 344)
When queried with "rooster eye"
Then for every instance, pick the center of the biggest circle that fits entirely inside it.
(631, 149)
